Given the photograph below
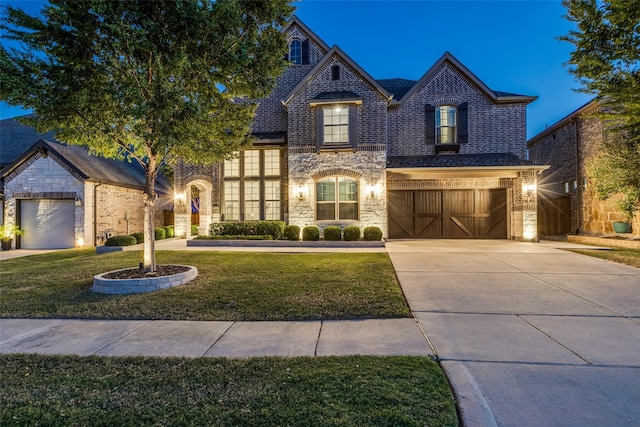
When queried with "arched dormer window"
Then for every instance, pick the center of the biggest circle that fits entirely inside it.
(295, 52)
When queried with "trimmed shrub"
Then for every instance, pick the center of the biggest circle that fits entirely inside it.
(352, 233)
(121, 241)
(139, 236)
(168, 230)
(236, 237)
(194, 229)
(292, 232)
(160, 233)
(275, 229)
(311, 233)
(333, 233)
(372, 234)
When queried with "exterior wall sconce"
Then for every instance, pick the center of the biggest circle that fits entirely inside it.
(78, 201)
(529, 189)
(371, 190)
(301, 192)
(179, 199)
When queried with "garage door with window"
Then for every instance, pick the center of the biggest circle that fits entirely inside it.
(47, 224)
(448, 214)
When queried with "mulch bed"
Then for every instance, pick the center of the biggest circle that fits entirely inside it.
(137, 273)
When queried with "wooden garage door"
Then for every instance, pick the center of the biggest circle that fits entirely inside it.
(47, 224)
(448, 214)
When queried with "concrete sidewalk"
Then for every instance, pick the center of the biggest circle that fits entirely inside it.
(215, 339)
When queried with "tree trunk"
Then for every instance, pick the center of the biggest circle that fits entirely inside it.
(149, 263)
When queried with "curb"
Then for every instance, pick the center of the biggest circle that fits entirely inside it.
(474, 409)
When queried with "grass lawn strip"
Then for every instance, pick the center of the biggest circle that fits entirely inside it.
(323, 391)
(620, 255)
(230, 286)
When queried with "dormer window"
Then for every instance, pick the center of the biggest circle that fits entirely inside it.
(446, 124)
(295, 51)
(336, 124)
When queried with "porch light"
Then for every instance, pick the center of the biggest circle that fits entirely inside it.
(371, 190)
(78, 201)
(301, 192)
(79, 242)
(529, 189)
(180, 198)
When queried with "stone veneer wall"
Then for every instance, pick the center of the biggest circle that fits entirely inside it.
(368, 166)
(493, 128)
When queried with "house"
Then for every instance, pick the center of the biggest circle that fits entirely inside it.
(568, 201)
(440, 157)
(63, 197)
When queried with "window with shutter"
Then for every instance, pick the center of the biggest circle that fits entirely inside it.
(295, 51)
(336, 127)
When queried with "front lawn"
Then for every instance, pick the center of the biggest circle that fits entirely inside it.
(620, 255)
(230, 286)
(323, 391)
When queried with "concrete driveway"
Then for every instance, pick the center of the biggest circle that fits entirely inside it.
(528, 334)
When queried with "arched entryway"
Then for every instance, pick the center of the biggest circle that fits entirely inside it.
(196, 195)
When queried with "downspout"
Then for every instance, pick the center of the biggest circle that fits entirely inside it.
(95, 213)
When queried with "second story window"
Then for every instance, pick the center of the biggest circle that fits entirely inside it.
(446, 125)
(295, 51)
(336, 124)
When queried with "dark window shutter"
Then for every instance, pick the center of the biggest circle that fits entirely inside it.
(463, 123)
(353, 126)
(305, 52)
(319, 127)
(335, 72)
(430, 124)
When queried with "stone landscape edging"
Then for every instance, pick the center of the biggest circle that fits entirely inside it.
(103, 285)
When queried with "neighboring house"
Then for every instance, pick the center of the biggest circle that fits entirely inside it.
(63, 197)
(568, 201)
(441, 157)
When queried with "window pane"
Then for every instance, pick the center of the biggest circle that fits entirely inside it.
(251, 163)
(336, 124)
(252, 190)
(272, 190)
(446, 135)
(326, 191)
(232, 167)
(271, 162)
(446, 124)
(231, 211)
(326, 211)
(295, 52)
(348, 211)
(348, 189)
(272, 211)
(232, 190)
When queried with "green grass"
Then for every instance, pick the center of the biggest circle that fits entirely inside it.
(620, 255)
(230, 286)
(324, 391)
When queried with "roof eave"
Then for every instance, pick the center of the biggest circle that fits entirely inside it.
(536, 168)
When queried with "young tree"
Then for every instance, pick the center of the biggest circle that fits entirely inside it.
(145, 81)
(606, 61)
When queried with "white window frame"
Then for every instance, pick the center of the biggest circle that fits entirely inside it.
(452, 127)
(339, 198)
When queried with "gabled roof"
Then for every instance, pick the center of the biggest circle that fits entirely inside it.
(587, 108)
(497, 97)
(83, 165)
(295, 20)
(335, 50)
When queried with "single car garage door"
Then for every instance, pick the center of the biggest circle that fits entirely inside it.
(47, 224)
(448, 214)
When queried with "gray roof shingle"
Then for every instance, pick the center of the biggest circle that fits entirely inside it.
(456, 160)
(397, 87)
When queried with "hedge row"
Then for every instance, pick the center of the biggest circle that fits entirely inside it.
(275, 229)
(160, 233)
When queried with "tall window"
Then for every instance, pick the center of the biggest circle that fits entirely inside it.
(295, 51)
(336, 124)
(337, 199)
(446, 125)
(252, 186)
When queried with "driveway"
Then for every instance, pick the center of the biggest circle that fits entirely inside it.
(528, 334)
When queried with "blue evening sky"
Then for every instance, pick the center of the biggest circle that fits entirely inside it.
(510, 45)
